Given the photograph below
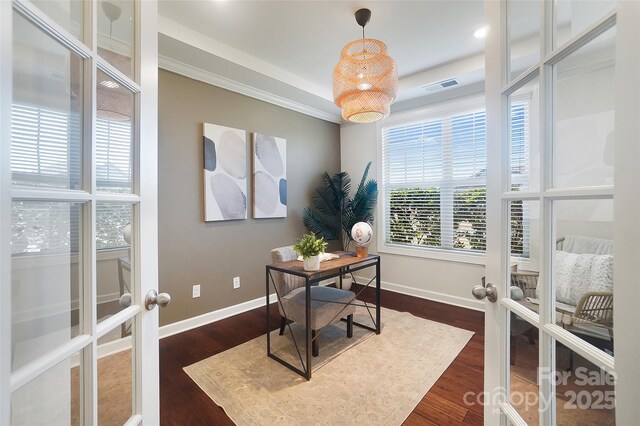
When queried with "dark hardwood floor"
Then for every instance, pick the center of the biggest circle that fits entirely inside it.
(183, 403)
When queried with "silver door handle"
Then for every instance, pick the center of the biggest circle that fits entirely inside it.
(153, 298)
(483, 290)
(125, 300)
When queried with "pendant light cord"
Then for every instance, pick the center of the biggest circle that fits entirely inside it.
(364, 52)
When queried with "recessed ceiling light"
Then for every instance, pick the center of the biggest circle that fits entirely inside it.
(109, 84)
(481, 32)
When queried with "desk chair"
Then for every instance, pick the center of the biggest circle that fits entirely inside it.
(328, 304)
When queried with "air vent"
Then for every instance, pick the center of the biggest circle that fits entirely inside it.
(444, 84)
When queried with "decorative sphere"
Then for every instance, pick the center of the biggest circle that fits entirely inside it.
(361, 233)
(126, 233)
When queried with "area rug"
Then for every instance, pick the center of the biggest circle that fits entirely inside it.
(370, 379)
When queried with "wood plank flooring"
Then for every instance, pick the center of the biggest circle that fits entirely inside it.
(183, 403)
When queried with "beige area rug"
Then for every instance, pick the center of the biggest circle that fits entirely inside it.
(370, 379)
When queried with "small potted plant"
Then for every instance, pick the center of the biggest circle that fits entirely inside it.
(310, 247)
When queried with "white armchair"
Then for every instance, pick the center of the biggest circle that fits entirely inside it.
(584, 283)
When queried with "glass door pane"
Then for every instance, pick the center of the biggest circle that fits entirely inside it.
(114, 136)
(583, 270)
(525, 252)
(114, 264)
(585, 393)
(115, 385)
(115, 34)
(524, 35)
(524, 146)
(52, 398)
(523, 369)
(46, 277)
(574, 16)
(46, 131)
(583, 115)
(66, 13)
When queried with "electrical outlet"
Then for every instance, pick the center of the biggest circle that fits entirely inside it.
(236, 282)
(196, 291)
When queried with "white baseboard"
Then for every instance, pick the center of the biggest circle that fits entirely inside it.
(213, 316)
(60, 309)
(475, 305)
(105, 298)
(114, 346)
(209, 317)
(119, 345)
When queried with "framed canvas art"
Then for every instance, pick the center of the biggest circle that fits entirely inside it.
(225, 173)
(269, 176)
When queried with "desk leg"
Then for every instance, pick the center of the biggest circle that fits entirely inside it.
(378, 328)
(268, 318)
(308, 325)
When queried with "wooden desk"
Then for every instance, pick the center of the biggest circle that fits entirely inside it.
(347, 263)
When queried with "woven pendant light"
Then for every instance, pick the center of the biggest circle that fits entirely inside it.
(365, 81)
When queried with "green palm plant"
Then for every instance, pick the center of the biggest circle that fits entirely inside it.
(333, 213)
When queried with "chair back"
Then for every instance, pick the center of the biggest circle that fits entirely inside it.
(581, 244)
(595, 307)
(285, 283)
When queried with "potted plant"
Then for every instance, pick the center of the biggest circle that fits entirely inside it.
(310, 247)
(333, 212)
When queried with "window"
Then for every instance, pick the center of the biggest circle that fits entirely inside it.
(434, 180)
(42, 155)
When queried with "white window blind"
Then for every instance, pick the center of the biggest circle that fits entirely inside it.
(434, 180)
(42, 153)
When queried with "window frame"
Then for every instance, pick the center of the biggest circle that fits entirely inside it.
(446, 108)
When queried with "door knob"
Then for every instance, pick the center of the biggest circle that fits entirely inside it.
(483, 290)
(125, 300)
(516, 293)
(153, 298)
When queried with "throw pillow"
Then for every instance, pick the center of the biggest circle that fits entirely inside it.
(576, 274)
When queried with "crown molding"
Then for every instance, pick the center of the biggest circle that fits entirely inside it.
(208, 77)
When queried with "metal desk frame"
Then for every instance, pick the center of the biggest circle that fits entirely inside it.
(326, 272)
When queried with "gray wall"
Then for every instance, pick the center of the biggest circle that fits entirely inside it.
(211, 254)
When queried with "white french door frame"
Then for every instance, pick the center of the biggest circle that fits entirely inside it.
(143, 199)
(147, 369)
(627, 212)
(6, 81)
(626, 195)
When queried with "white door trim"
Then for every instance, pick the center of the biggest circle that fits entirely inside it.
(627, 212)
(6, 74)
(146, 333)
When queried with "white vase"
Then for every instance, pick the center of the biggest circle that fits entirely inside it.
(346, 282)
(312, 263)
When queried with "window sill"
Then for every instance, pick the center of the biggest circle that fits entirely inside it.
(433, 253)
(43, 260)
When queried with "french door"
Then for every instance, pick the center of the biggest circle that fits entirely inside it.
(78, 196)
(561, 345)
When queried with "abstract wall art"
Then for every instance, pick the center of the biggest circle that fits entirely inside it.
(269, 176)
(225, 173)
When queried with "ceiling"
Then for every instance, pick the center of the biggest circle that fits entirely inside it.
(289, 48)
